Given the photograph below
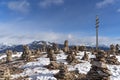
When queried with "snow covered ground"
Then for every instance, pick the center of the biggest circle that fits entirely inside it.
(36, 70)
(14, 55)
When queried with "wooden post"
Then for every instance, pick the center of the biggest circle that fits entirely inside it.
(97, 25)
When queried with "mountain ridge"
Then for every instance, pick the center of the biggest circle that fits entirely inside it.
(38, 44)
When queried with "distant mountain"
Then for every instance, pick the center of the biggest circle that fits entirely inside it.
(35, 45)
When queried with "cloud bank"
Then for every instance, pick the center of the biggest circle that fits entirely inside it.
(20, 6)
(48, 3)
(56, 37)
(104, 3)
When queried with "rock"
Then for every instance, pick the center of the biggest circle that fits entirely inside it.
(26, 54)
(9, 55)
(55, 48)
(51, 55)
(112, 49)
(99, 64)
(76, 49)
(117, 47)
(71, 58)
(82, 48)
(85, 57)
(76, 71)
(53, 65)
(38, 52)
(63, 73)
(44, 45)
(101, 54)
(99, 70)
(5, 73)
(66, 47)
(113, 60)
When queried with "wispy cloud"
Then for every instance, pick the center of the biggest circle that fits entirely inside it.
(118, 10)
(10, 38)
(20, 6)
(47, 3)
(22, 36)
(104, 3)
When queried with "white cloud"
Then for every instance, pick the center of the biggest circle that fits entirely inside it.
(118, 10)
(104, 3)
(47, 3)
(15, 32)
(21, 6)
(22, 38)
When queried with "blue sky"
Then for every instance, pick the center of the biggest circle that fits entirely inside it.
(23, 21)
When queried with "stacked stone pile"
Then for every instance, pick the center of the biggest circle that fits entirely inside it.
(37, 52)
(53, 65)
(9, 55)
(117, 47)
(71, 58)
(51, 55)
(112, 49)
(76, 49)
(112, 60)
(66, 46)
(82, 48)
(101, 56)
(55, 48)
(5, 74)
(85, 57)
(26, 54)
(63, 74)
(99, 70)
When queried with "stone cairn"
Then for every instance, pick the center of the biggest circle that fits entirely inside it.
(71, 58)
(51, 55)
(43, 46)
(117, 48)
(37, 52)
(63, 72)
(76, 49)
(55, 48)
(53, 65)
(5, 74)
(66, 47)
(99, 70)
(26, 53)
(9, 55)
(82, 48)
(85, 57)
(32, 52)
(112, 60)
(112, 49)
(101, 56)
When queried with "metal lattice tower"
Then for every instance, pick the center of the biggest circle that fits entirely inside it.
(97, 26)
